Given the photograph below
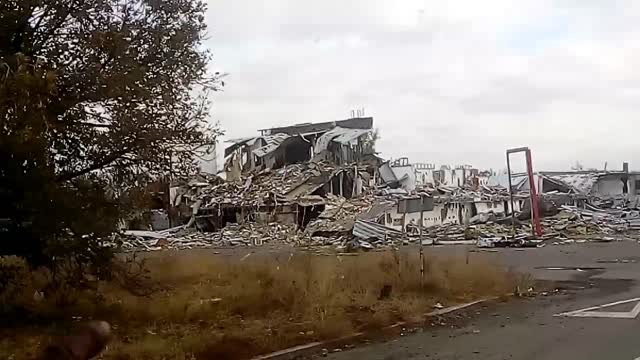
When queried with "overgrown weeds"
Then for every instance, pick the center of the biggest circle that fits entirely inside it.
(207, 306)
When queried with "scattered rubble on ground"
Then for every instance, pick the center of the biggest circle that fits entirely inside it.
(181, 238)
(350, 225)
(334, 229)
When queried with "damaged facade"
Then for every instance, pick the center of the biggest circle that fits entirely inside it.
(597, 187)
(451, 206)
(340, 142)
(284, 175)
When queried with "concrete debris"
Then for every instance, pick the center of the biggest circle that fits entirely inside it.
(339, 215)
(248, 235)
(350, 225)
(569, 226)
(573, 222)
(268, 186)
(483, 218)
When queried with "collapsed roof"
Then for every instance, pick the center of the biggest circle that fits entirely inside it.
(340, 141)
(305, 128)
(573, 182)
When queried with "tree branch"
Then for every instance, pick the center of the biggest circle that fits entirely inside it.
(95, 166)
(53, 29)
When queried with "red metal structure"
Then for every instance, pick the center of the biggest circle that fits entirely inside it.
(535, 216)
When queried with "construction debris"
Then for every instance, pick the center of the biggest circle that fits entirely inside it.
(266, 187)
(339, 215)
(233, 235)
(350, 225)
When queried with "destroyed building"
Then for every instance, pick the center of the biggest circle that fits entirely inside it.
(450, 206)
(428, 175)
(340, 142)
(410, 176)
(599, 187)
(398, 174)
(284, 175)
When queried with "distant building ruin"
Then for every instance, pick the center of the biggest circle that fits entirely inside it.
(340, 142)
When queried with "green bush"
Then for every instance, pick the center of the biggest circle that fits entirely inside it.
(14, 282)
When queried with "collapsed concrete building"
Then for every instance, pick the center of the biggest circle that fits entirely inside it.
(456, 194)
(284, 175)
(451, 206)
(411, 176)
(306, 175)
(340, 142)
(601, 188)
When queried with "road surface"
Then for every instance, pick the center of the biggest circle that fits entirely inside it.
(563, 325)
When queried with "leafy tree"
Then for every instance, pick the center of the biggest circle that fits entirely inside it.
(96, 97)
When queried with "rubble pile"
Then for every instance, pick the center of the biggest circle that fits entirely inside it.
(333, 229)
(253, 234)
(181, 238)
(443, 193)
(334, 225)
(489, 234)
(175, 238)
(268, 186)
(570, 224)
(339, 214)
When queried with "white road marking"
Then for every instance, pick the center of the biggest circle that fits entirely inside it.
(589, 312)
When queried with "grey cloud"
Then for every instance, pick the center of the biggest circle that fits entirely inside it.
(440, 83)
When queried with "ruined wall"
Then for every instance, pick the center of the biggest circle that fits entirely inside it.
(488, 206)
(408, 184)
(609, 186)
(394, 220)
(456, 177)
(612, 186)
(444, 176)
(454, 213)
(442, 214)
(424, 173)
(517, 204)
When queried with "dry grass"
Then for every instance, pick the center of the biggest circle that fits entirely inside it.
(206, 306)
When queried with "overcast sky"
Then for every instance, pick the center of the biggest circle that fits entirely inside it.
(447, 82)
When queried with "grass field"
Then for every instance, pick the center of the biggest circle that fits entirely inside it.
(204, 306)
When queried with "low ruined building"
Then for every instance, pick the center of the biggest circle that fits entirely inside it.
(401, 173)
(619, 188)
(455, 208)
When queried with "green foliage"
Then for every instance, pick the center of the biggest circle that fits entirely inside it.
(97, 97)
(14, 274)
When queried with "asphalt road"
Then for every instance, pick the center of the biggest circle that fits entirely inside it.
(587, 275)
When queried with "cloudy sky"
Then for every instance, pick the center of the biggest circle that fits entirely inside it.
(447, 82)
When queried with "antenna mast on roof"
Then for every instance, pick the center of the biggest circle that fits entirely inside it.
(359, 113)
